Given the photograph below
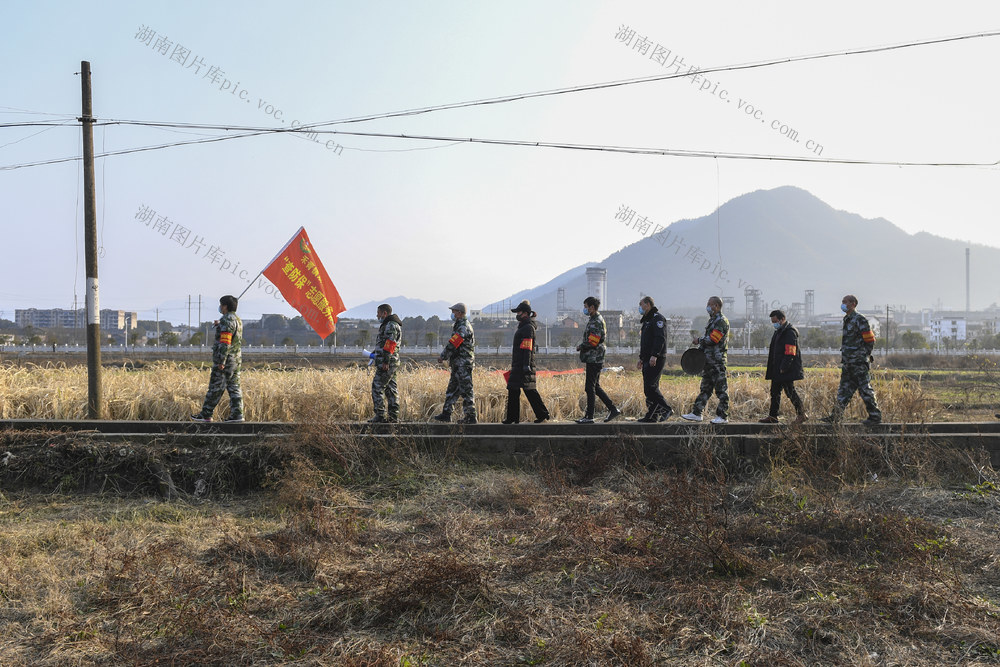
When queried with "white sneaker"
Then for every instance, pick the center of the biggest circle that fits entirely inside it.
(691, 417)
(720, 420)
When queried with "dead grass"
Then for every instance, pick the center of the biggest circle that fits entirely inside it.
(357, 554)
(170, 391)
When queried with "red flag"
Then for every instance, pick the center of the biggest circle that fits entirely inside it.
(300, 277)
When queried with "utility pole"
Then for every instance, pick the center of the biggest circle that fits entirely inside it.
(189, 319)
(90, 249)
(157, 327)
(199, 322)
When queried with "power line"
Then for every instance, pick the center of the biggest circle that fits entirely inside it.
(256, 131)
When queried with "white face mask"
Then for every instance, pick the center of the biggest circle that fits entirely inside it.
(380, 320)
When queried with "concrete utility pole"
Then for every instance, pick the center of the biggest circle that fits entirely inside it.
(94, 398)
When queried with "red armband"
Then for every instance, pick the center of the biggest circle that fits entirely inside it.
(526, 343)
(790, 350)
(715, 336)
(868, 336)
(456, 340)
(593, 339)
(390, 346)
(226, 338)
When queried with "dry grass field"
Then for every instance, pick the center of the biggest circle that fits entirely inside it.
(345, 555)
(324, 549)
(170, 391)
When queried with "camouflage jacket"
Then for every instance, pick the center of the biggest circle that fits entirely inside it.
(858, 339)
(462, 344)
(390, 337)
(228, 341)
(592, 348)
(715, 342)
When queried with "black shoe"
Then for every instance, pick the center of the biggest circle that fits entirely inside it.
(664, 416)
(443, 417)
(585, 420)
(199, 418)
(234, 419)
(471, 419)
(392, 420)
(648, 419)
(872, 421)
(613, 415)
(543, 418)
(510, 421)
(377, 419)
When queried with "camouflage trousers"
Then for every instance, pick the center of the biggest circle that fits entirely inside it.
(856, 377)
(220, 382)
(460, 386)
(384, 391)
(713, 379)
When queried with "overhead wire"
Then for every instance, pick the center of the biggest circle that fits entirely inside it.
(312, 127)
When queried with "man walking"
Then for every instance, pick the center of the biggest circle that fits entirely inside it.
(226, 361)
(856, 345)
(652, 358)
(522, 368)
(714, 343)
(784, 367)
(592, 354)
(460, 353)
(386, 360)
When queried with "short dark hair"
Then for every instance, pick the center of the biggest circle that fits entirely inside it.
(386, 307)
(716, 300)
(853, 299)
(777, 313)
(592, 301)
(230, 302)
(648, 300)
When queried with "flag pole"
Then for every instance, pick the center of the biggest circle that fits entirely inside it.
(261, 272)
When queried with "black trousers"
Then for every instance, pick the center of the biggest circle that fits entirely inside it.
(514, 403)
(777, 386)
(592, 386)
(651, 387)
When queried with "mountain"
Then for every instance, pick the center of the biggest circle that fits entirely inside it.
(402, 305)
(782, 242)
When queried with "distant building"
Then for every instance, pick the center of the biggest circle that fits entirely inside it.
(953, 328)
(55, 318)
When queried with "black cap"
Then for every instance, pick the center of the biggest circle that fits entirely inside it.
(523, 307)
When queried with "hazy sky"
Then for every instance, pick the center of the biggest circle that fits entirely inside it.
(471, 222)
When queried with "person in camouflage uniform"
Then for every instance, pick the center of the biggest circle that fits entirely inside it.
(460, 353)
(226, 362)
(592, 354)
(714, 343)
(386, 361)
(856, 345)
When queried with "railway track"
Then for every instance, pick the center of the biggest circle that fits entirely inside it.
(501, 443)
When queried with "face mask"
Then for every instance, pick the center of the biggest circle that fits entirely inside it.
(381, 320)
(776, 325)
(708, 309)
(843, 307)
(586, 311)
(642, 311)
(453, 317)
(221, 312)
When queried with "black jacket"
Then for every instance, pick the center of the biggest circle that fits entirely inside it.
(653, 336)
(522, 358)
(784, 358)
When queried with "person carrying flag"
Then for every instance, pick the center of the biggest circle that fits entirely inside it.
(226, 361)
